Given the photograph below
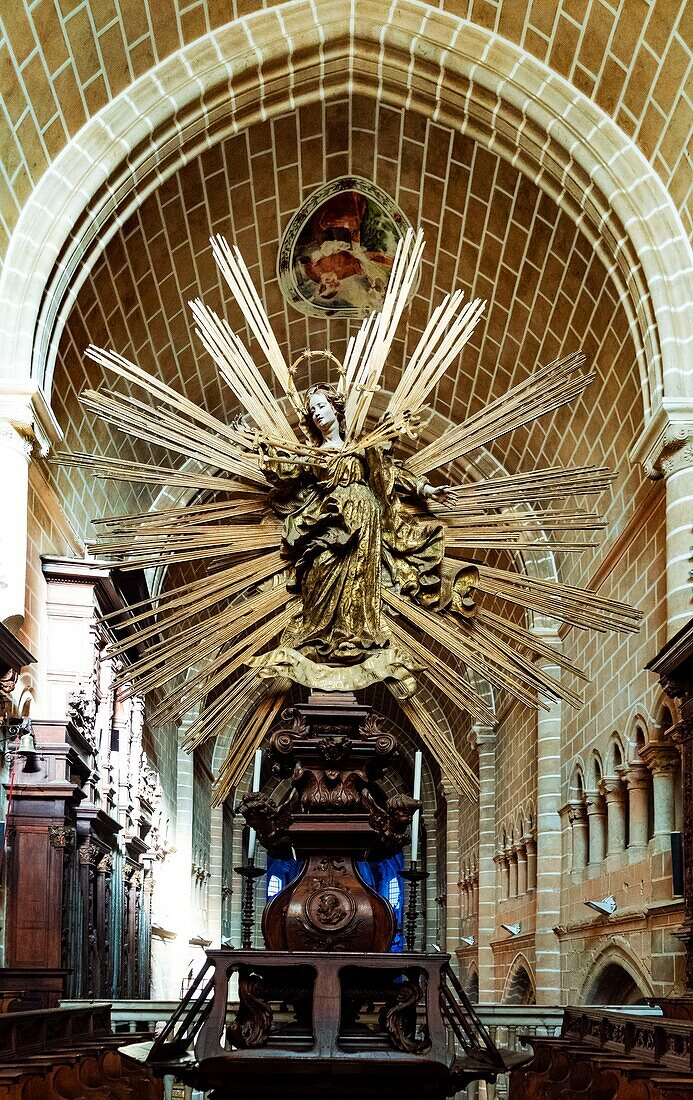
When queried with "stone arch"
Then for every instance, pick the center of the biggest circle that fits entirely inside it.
(616, 976)
(595, 770)
(520, 986)
(615, 753)
(445, 66)
(576, 785)
(638, 738)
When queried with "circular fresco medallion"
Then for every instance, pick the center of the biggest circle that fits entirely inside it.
(330, 909)
(337, 251)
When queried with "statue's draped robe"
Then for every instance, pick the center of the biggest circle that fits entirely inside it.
(346, 533)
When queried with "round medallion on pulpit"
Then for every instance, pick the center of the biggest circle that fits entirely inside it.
(330, 909)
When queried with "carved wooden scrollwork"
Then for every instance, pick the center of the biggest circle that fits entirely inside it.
(254, 1017)
(398, 1019)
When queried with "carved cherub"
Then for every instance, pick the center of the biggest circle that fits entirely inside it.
(269, 820)
(391, 821)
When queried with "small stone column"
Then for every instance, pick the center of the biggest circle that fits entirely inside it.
(521, 860)
(662, 759)
(611, 787)
(530, 843)
(511, 857)
(577, 816)
(637, 782)
(596, 828)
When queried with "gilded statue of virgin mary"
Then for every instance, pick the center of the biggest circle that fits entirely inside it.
(347, 533)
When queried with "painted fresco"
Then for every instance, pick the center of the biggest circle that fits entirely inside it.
(337, 252)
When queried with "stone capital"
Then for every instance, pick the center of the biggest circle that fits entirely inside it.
(24, 409)
(483, 737)
(595, 802)
(660, 756)
(576, 812)
(635, 775)
(611, 787)
(666, 444)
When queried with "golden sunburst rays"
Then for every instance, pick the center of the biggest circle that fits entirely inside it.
(195, 638)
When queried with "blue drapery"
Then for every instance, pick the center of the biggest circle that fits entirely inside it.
(384, 876)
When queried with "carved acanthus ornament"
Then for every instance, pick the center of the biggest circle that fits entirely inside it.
(90, 854)
(60, 835)
(660, 756)
(673, 451)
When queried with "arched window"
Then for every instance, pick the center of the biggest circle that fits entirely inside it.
(274, 885)
(393, 892)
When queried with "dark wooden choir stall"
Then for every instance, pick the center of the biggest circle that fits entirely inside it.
(326, 1004)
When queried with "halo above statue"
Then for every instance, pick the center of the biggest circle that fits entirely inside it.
(333, 563)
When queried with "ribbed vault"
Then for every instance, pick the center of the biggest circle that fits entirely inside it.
(458, 73)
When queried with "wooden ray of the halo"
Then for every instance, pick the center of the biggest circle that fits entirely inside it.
(164, 661)
(134, 417)
(542, 392)
(236, 274)
(120, 469)
(251, 573)
(447, 679)
(240, 373)
(366, 379)
(529, 642)
(577, 606)
(244, 745)
(448, 330)
(531, 686)
(454, 767)
(520, 489)
(183, 594)
(175, 517)
(216, 716)
(160, 391)
(245, 536)
(224, 665)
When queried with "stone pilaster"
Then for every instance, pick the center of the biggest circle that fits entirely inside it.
(596, 828)
(638, 793)
(579, 846)
(666, 452)
(27, 427)
(548, 899)
(486, 744)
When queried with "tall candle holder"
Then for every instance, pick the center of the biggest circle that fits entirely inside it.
(249, 873)
(413, 876)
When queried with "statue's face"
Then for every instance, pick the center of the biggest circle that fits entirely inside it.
(324, 415)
